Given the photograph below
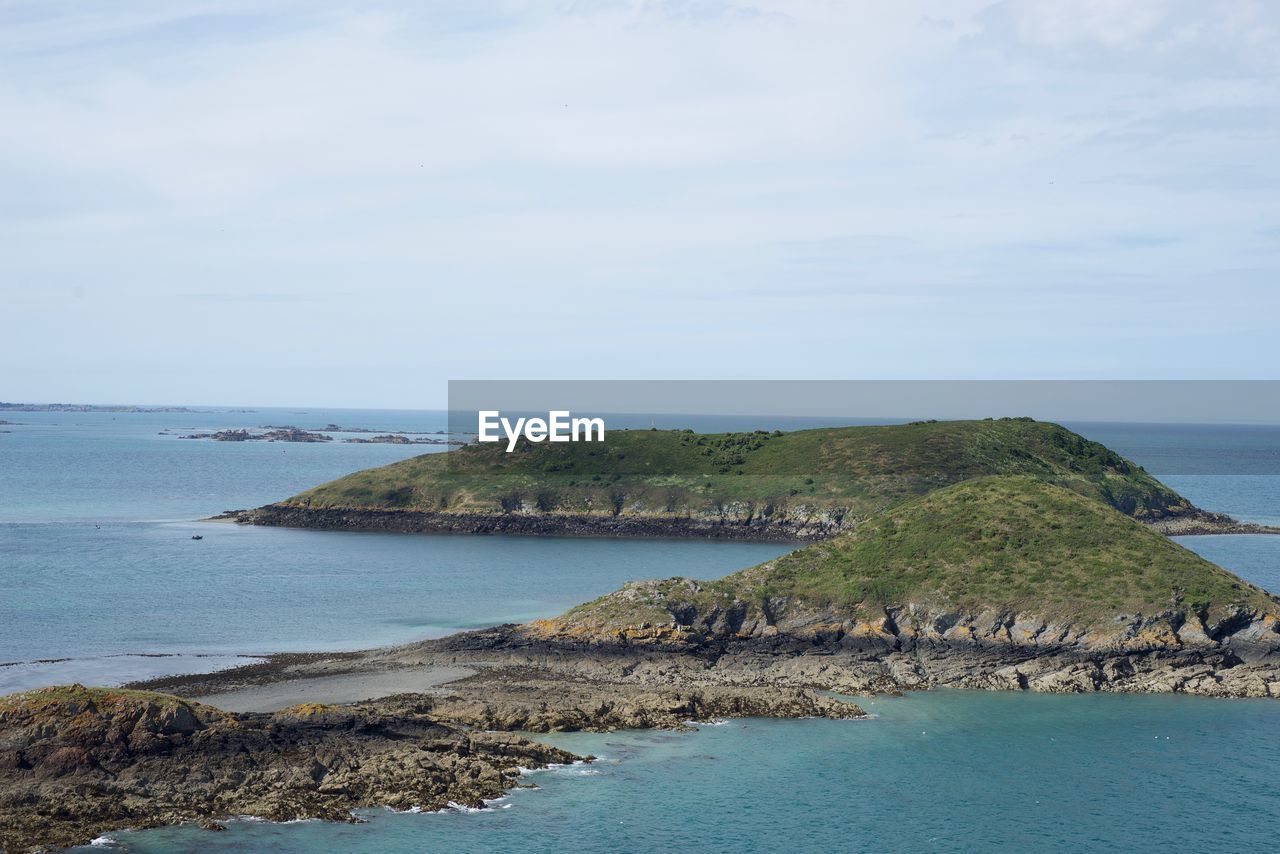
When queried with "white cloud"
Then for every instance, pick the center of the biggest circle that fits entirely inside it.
(947, 168)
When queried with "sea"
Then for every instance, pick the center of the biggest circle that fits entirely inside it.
(103, 584)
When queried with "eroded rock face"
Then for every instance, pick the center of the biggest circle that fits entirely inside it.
(540, 700)
(670, 615)
(852, 666)
(1234, 652)
(774, 665)
(814, 525)
(77, 762)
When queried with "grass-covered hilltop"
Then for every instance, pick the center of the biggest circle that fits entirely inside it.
(1008, 559)
(807, 483)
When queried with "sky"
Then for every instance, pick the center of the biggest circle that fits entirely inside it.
(348, 204)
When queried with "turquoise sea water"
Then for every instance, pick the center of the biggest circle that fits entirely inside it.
(100, 571)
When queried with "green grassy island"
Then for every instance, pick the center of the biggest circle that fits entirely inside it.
(802, 484)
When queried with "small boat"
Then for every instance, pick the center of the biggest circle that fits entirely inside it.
(197, 537)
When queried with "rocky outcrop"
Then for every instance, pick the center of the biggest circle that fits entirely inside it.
(1204, 672)
(680, 618)
(1203, 522)
(1234, 653)
(529, 699)
(76, 762)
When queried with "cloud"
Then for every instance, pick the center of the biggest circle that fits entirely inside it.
(598, 169)
(1186, 35)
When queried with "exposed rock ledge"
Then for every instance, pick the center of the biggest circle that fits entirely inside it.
(542, 524)
(78, 762)
(751, 527)
(1203, 522)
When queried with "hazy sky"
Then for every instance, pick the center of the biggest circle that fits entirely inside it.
(331, 204)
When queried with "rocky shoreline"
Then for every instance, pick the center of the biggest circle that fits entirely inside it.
(552, 668)
(1203, 523)
(79, 762)
(533, 524)
(818, 526)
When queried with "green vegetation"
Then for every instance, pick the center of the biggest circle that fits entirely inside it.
(76, 698)
(847, 472)
(1014, 544)
(1011, 541)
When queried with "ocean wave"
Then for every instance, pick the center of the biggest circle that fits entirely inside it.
(455, 807)
(556, 766)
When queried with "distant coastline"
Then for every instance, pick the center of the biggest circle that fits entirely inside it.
(86, 407)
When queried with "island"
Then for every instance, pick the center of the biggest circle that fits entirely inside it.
(289, 433)
(279, 434)
(801, 485)
(1008, 556)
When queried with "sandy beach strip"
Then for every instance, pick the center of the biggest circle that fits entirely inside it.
(339, 688)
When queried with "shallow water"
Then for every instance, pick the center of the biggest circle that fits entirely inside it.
(99, 575)
(102, 596)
